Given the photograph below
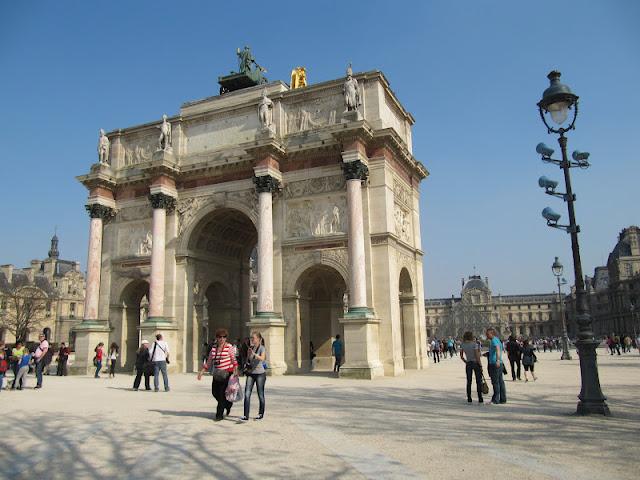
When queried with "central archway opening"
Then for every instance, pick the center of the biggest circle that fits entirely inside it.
(135, 309)
(321, 291)
(220, 249)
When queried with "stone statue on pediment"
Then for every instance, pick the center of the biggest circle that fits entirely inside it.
(103, 148)
(350, 91)
(265, 111)
(165, 141)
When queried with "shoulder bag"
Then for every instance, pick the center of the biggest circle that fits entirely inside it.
(219, 375)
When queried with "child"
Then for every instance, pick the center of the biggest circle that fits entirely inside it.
(23, 369)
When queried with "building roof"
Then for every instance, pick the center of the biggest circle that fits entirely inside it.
(475, 282)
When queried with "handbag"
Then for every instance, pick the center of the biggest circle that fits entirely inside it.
(233, 392)
(485, 387)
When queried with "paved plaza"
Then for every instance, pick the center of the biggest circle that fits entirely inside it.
(316, 426)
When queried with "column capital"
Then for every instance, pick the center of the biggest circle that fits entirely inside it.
(266, 183)
(355, 170)
(162, 200)
(97, 210)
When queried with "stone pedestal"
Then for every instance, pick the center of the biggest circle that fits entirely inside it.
(362, 347)
(351, 116)
(271, 327)
(169, 331)
(88, 335)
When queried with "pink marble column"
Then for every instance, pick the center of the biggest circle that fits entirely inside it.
(355, 173)
(97, 213)
(265, 185)
(160, 203)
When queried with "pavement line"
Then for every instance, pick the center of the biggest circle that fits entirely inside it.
(369, 462)
(521, 458)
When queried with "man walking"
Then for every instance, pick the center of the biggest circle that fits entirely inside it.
(435, 349)
(39, 356)
(160, 359)
(495, 367)
(337, 350)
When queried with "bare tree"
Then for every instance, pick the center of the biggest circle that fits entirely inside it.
(25, 310)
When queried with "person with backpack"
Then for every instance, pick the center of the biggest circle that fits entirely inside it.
(255, 374)
(143, 366)
(160, 359)
(221, 362)
(4, 364)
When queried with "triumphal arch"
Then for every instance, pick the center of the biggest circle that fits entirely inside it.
(305, 199)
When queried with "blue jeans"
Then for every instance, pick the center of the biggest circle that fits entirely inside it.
(39, 369)
(1, 380)
(98, 368)
(497, 381)
(259, 379)
(157, 368)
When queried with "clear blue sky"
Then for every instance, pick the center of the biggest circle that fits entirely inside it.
(470, 72)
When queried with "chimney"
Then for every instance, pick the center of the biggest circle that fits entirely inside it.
(49, 267)
(8, 272)
(486, 281)
(76, 266)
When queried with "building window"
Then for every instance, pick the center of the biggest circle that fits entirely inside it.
(3, 305)
(72, 309)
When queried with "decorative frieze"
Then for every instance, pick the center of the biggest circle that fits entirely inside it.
(135, 239)
(314, 186)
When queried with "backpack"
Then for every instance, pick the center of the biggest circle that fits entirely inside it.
(4, 365)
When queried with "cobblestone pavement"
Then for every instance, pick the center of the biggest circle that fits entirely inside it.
(316, 426)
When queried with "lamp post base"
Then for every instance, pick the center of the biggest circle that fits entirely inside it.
(592, 401)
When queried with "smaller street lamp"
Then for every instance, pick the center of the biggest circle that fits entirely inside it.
(557, 268)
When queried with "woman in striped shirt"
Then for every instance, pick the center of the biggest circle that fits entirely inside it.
(222, 363)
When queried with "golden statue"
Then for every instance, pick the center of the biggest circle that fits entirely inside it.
(298, 77)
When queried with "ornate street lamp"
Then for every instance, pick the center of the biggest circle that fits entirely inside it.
(558, 101)
(557, 268)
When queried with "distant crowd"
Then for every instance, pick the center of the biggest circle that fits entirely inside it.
(520, 352)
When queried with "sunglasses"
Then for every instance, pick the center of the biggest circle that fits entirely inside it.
(221, 336)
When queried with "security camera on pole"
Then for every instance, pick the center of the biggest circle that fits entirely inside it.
(557, 102)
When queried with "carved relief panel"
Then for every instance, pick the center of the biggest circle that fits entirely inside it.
(313, 113)
(139, 148)
(134, 239)
(317, 217)
(403, 223)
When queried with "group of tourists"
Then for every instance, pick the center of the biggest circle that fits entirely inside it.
(620, 343)
(440, 347)
(21, 360)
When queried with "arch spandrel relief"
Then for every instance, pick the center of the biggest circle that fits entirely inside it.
(317, 217)
(134, 239)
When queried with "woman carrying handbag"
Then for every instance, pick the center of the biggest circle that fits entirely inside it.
(222, 363)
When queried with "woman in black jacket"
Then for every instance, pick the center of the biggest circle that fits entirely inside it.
(514, 350)
(143, 364)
